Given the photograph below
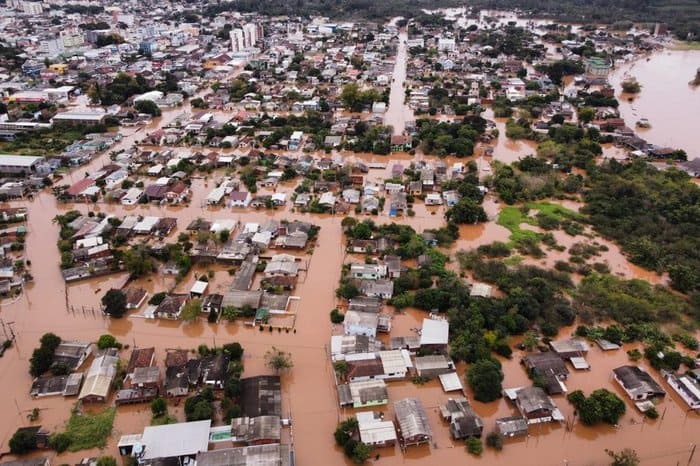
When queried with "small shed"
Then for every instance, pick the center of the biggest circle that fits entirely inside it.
(198, 288)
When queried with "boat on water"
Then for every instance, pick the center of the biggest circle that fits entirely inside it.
(643, 123)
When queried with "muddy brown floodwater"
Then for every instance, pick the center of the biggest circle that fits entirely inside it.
(398, 113)
(308, 390)
(667, 100)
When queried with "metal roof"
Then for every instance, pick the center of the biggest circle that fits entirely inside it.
(434, 332)
(174, 440)
(19, 160)
(450, 382)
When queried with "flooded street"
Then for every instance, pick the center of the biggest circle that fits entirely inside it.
(666, 99)
(398, 113)
(309, 392)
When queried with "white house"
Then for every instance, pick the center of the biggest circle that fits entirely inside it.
(686, 387)
(239, 199)
(132, 196)
(368, 271)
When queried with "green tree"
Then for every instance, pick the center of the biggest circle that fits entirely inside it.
(530, 340)
(466, 211)
(586, 114)
(159, 407)
(138, 261)
(197, 408)
(108, 341)
(192, 310)
(484, 378)
(601, 406)
(360, 453)
(114, 302)
(42, 357)
(234, 350)
(278, 360)
(337, 317)
(23, 441)
(147, 106)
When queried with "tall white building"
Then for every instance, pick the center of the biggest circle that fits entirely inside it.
(71, 39)
(32, 8)
(52, 47)
(237, 42)
(250, 34)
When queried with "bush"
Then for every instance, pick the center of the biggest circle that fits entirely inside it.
(495, 441)
(337, 317)
(59, 442)
(651, 413)
(474, 446)
(634, 355)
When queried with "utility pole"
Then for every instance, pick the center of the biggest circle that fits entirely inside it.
(692, 452)
(4, 330)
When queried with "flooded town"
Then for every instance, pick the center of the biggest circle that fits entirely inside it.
(237, 237)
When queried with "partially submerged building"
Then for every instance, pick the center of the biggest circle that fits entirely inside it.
(534, 404)
(254, 455)
(686, 387)
(98, 380)
(463, 420)
(412, 420)
(637, 383)
(548, 369)
(261, 396)
(364, 393)
(374, 430)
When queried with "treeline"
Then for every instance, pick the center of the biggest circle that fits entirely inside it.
(653, 214)
(120, 89)
(370, 9)
(682, 16)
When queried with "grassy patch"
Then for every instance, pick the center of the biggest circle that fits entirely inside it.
(512, 217)
(89, 430)
(513, 260)
(678, 45)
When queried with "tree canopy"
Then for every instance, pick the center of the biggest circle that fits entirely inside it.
(484, 378)
(114, 302)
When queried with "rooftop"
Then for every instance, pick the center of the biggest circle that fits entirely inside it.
(175, 440)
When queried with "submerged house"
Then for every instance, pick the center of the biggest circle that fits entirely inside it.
(637, 383)
(687, 388)
(549, 369)
(261, 396)
(98, 380)
(374, 430)
(412, 420)
(534, 404)
(463, 420)
(364, 393)
(512, 426)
